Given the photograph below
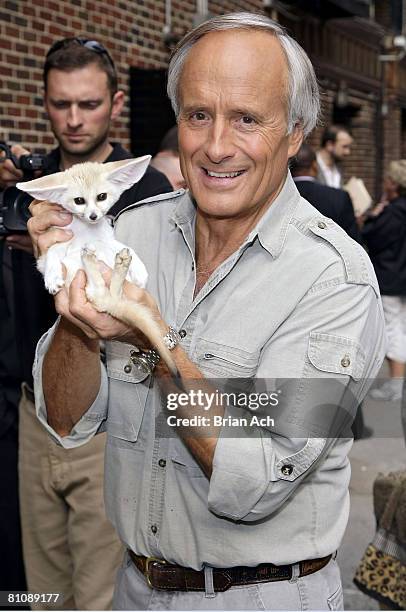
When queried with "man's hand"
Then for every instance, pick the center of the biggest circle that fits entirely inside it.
(9, 174)
(41, 226)
(75, 306)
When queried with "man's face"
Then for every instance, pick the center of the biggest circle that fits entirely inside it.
(234, 149)
(80, 108)
(341, 148)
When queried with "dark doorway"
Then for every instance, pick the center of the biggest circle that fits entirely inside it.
(151, 114)
(343, 115)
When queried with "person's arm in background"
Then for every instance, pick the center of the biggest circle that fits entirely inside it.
(9, 176)
(381, 230)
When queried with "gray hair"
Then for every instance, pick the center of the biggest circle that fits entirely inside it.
(303, 92)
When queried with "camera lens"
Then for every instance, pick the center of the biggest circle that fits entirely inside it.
(15, 210)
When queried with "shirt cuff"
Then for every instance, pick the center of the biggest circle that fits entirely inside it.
(90, 423)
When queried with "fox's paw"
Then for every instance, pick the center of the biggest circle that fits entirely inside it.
(123, 259)
(54, 284)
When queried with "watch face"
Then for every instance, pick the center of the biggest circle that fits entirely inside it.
(141, 364)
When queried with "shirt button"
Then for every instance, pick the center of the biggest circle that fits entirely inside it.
(162, 463)
(287, 470)
(127, 368)
(322, 225)
(154, 528)
(182, 333)
(345, 361)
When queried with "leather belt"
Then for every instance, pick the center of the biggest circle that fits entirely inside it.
(162, 575)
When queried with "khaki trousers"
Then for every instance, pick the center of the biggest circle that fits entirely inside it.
(69, 546)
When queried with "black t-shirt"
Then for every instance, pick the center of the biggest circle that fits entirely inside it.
(34, 307)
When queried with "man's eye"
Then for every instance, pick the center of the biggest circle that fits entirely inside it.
(60, 104)
(89, 105)
(247, 120)
(79, 201)
(199, 116)
(101, 196)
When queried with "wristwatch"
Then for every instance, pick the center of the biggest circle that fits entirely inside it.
(145, 361)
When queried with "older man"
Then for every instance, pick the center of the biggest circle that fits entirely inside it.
(247, 281)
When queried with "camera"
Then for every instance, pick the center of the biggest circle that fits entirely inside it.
(14, 212)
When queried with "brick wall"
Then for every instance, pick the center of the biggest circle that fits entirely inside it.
(131, 30)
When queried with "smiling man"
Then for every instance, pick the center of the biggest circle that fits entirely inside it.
(247, 281)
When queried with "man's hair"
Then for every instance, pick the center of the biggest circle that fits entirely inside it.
(170, 141)
(331, 132)
(303, 159)
(303, 92)
(72, 55)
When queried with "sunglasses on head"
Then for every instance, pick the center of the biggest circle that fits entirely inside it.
(92, 45)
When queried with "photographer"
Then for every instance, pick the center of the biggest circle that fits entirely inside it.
(69, 546)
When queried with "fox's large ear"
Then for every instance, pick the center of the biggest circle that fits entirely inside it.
(50, 188)
(126, 172)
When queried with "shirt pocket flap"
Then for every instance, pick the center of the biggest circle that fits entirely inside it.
(226, 361)
(336, 354)
(125, 414)
(193, 471)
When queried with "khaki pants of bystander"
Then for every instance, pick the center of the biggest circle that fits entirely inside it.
(69, 545)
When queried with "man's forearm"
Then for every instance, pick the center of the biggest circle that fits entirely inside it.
(200, 441)
(71, 376)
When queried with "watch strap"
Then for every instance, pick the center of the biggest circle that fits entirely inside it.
(171, 338)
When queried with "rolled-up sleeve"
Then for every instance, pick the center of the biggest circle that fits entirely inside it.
(323, 360)
(91, 422)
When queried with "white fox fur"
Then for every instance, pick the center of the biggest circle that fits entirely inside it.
(88, 191)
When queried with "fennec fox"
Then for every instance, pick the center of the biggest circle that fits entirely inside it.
(88, 191)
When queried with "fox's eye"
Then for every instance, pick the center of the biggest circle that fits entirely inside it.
(101, 197)
(79, 201)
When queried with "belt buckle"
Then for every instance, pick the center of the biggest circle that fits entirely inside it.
(148, 562)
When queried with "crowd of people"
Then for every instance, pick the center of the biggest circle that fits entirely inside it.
(250, 277)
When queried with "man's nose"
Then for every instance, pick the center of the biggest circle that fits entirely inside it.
(220, 145)
(74, 116)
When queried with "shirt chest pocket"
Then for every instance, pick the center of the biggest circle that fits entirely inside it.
(128, 392)
(223, 361)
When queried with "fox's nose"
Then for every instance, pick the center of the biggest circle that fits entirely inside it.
(93, 216)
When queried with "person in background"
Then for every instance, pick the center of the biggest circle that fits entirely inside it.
(330, 201)
(69, 545)
(167, 159)
(336, 145)
(384, 234)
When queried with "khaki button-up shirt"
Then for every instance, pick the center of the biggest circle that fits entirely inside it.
(297, 302)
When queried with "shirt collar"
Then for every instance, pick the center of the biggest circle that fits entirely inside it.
(272, 227)
(303, 178)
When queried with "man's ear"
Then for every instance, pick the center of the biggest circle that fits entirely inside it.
(295, 140)
(126, 172)
(117, 104)
(51, 188)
